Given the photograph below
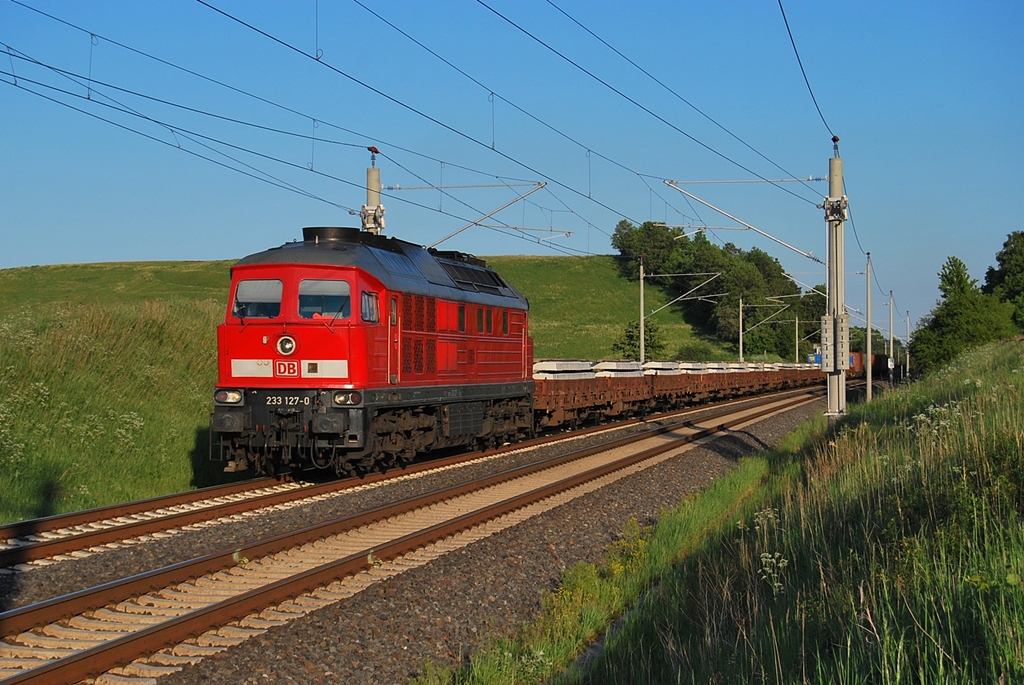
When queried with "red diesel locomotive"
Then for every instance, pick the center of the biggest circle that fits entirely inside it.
(351, 351)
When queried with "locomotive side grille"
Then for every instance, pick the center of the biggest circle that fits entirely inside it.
(407, 317)
(418, 314)
(431, 356)
(406, 355)
(417, 355)
(431, 315)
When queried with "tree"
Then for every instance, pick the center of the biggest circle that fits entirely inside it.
(964, 318)
(628, 344)
(754, 274)
(859, 340)
(955, 280)
(1006, 281)
(654, 242)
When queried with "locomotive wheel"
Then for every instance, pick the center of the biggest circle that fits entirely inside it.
(266, 465)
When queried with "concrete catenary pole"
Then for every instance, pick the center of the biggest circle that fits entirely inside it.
(867, 353)
(796, 341)
(643, 350)
(892, 348)
(741, 328)
(835, 325)
(907, 371)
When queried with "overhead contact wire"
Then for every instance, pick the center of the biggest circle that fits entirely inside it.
(674, 93)
(497, 95)
(265, 178)
(410, 108)
(637, 104)
(121, 107)
(802, 71)
(174, 129)
(252, 95)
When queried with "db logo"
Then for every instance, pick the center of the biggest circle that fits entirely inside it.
(286, 368)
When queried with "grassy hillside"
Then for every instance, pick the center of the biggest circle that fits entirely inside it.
(106, 369)
(107, 284)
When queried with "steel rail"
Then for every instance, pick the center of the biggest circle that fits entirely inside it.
(78, 518)
(121, 650)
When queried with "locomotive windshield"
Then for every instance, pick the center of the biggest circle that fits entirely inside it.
(324, 299)
(258, 299)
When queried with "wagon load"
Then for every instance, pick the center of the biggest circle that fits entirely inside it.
(562, 369)
(619, 368)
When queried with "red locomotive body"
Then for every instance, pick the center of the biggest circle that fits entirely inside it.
(350, 351)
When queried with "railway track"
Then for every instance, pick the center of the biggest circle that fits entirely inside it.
(228, 596)
(78, 534)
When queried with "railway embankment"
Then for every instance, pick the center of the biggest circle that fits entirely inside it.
(887, 549)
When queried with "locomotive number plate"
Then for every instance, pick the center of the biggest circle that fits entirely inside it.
(287, 401)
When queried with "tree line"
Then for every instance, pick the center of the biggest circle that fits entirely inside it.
(680, 263)
(968, 315)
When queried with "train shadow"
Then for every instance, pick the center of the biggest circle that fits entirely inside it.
(733, 445)
(206, 471)
(48, 494)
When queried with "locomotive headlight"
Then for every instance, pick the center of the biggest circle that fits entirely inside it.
(227, 396)
(286, 345)
(342, 397)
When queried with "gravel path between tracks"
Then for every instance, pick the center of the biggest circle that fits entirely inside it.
(442, 611)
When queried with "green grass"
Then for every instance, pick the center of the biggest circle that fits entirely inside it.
(114, 283)
(102, 403)
(105, 375)
(889, 549)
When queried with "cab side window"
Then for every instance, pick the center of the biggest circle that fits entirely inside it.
(371, 308)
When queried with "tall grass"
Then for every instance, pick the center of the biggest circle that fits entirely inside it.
(888, 551)
(102, 403)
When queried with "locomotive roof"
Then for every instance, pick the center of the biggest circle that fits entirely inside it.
(398, 264)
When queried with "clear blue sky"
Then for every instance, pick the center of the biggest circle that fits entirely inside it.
(927, 98)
